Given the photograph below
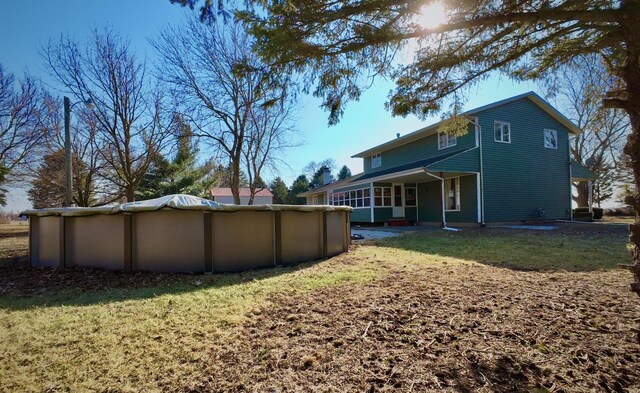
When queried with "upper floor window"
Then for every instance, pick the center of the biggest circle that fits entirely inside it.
(502, 132)
(550, 139)
(376, 160)
(446, 140)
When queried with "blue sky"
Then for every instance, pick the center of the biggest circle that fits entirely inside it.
(28, 25)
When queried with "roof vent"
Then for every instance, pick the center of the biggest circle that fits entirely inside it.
(398, 135)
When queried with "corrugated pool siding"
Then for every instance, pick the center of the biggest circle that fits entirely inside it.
(420, 149)
(523, 176)
(429, 202)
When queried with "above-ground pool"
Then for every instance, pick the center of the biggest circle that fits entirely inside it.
(180, 233)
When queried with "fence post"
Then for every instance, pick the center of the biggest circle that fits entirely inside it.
(128, 243)
(63, 243)
(208, 242)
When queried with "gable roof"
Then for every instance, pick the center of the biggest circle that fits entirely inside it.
(244, 192)
(433, 128)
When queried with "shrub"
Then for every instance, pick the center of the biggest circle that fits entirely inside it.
(597, 211)
(620, 211)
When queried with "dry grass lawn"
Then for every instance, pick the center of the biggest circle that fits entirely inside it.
(480, 310)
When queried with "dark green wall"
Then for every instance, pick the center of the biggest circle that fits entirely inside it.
(468, 161)
(418, 150)
(522, 176)
(382, 214)
(361, 215)
(429, 201)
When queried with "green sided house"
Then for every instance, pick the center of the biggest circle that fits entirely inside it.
(512, 166)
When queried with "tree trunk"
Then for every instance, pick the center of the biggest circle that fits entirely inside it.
(582, 199)
(633, 150)
(131, 197)
(235, 180)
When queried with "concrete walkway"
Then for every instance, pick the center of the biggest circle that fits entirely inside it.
(384, 232)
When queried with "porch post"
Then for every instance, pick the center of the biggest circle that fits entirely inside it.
(443, 223)
(590, 187)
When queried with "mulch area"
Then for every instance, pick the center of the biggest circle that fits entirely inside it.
(462, 328)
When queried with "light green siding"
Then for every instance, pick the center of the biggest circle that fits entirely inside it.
(361, 215)
(429, 201)
(418, 150)
(357, 187)
(522, 176)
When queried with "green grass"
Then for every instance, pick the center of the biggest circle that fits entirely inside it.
(142, 339)
(573, 248)
(159, 336)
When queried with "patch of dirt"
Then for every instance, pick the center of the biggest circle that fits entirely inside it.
(17, 277)
(460, 328)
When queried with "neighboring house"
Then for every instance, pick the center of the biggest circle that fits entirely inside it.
(512, 165)
(224, 195)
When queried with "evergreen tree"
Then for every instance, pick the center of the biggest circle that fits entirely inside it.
(280, 191)
(48, 186)
(318, 178)
(154, 182)
(301, 184)
(182, 175)
(344, 173)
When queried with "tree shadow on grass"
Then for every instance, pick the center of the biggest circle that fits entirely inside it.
(568, 248)
(24, 287)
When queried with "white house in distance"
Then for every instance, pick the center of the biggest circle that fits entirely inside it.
(224, 195)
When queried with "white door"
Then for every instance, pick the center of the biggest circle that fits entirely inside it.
(398, 200)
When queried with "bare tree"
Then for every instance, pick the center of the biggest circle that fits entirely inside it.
(229, 94)
(22, 113)
(128, 120)
(578, 89)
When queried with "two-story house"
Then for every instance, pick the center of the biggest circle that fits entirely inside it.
(512, 165)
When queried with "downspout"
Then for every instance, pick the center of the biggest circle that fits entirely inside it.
(570, 184)
(479, 131)
(444, 218)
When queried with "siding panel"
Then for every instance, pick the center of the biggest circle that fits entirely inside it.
(421, 149)
(522, 176)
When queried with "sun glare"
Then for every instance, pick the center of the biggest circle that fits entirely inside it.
(433, 15)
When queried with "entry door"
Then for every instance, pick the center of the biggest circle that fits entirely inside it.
(398, 201)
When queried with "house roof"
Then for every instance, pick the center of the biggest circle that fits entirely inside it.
(433, 128)
(424, 163)
(414, 165)
(331, 185)
(244, 192)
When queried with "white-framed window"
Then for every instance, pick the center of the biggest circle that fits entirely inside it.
(452, 194)
(355, 198)
(502, 132)
(550, 139)
(376, 160)
(382, 196)
(410, 196)
(446, 140)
